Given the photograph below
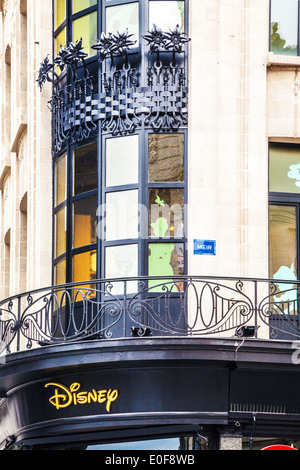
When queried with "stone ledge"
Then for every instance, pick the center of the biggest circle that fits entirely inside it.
(283, 61)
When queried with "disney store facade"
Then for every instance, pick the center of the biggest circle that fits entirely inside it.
(126, 348)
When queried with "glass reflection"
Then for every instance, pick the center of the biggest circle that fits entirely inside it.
(60, 272)
(79, 5)
(85, 168)
(60, 180)
(166, 155)
(283, 242)
(60, 232)
(284, 27)
(166, 14)
(122, 215)
(85, 222)
(283, 256)
(60, 40)
(60, 12)
(122, 158)
(85, 267)
(165, 259)
(122, 262)
(284, 170)
(166, 212)
(86, 28)
(122, 17)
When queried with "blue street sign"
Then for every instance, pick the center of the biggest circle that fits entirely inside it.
(204, 247)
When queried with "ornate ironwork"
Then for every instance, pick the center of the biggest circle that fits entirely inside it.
(123, 103)
(142, 307)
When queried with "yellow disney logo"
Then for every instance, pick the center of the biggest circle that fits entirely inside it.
(64, 396)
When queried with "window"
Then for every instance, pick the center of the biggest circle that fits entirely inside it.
(122, 17)
(60, 219)
(119, 198)
(284, 212)
(166, 201)
(75, 20)
(284, 30)
(166, 14)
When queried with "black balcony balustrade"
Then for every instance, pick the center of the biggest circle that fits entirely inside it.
(132, 93)
(146, 307)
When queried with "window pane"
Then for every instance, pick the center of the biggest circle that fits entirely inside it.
(284, 170)
(86, 28)
(283, 255)
(85, 168)
(284, 26)
(60, 40)
(60, 232)
(166, 155)
(60, 12)
(60, 180)
(84, 222)
(85, 266)
(79, 5)
(60, 273)
(122, 215)
(122, 262)
(166, 212)
(165, 259)
(122, 17)
(122, 160)
(166, 15)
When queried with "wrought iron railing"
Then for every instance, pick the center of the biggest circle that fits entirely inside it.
(139, 307)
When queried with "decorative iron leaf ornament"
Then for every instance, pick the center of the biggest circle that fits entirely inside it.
(155, 38)
(110, 45)
(71, 55)
(123, 42)
(105, 45)
(170, 41)
(46, 68)
(61, 60)
(174, 40)
(76, 53)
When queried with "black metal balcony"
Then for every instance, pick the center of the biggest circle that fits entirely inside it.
(131, 92)
(150, 307)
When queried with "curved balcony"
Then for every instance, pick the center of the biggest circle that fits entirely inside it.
(122, 93)
(146, 306)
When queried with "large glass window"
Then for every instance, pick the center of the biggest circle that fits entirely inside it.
(166, 202)
(166, 14)
(78, 17)
(283, 241)
(119, 203)
(60, 219)
(79, 5)
(284, 223)
(85, 28)
(122, 17)
(284, 30)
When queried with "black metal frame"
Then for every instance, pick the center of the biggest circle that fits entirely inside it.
(100, 137)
